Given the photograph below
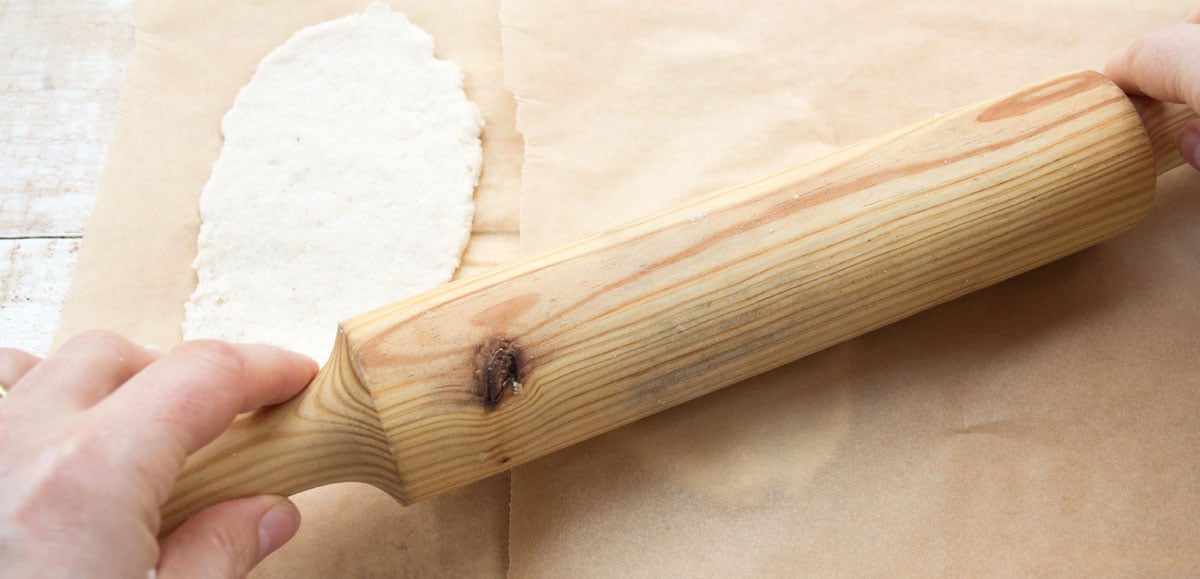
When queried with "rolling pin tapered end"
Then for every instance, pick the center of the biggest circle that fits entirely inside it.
(328, 433)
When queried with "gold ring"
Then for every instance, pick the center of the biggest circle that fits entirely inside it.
(3, 391)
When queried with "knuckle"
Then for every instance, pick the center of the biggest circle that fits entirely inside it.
(62, 476)
(11, 353)
(234, 549)
(108, 342)
(13, 357)
(1147, 55)
(101, 338)
(220, 360)
(1137, 47)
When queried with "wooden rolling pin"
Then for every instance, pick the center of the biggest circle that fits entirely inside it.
(481, 375)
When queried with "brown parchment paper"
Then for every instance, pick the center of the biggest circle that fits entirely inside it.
(134, 274)
(1045, 426)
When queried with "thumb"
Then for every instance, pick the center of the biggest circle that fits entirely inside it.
(228, 539)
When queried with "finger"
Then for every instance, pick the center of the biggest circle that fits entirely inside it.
(1189, 143)
(191, 395)
(228, 539)
(85, 370)
(1193, 17)
(1164, 65)
(14, 364)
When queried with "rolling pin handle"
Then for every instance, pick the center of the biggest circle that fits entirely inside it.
(1163, 122)
(328, 433)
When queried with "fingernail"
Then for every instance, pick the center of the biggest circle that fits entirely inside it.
(1189, 144)
(276, 526)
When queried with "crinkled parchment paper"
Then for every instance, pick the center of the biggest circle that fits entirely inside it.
(1045, 426)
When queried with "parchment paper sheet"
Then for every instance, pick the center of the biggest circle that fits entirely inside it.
(134, 269)
(1046, 426)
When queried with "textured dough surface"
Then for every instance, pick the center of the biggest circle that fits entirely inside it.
(345, 182)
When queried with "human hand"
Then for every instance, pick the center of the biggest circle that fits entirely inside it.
(92, 439)
(1165, 65)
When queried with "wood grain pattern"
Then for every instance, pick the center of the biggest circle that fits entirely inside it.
(329, 433)
(669, 308)
(490, 372)
(1163, 122)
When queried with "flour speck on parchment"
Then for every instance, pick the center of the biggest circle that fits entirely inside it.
(346, 182)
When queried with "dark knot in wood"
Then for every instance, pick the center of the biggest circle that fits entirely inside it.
(498, 371)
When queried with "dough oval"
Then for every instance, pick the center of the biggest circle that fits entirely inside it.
(345, 182)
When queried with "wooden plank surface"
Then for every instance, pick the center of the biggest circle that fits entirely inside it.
(34, 275)
(61, 65)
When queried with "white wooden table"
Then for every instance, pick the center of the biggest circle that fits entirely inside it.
(61, 65)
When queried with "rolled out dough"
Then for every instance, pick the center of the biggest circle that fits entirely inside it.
(345, 182)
